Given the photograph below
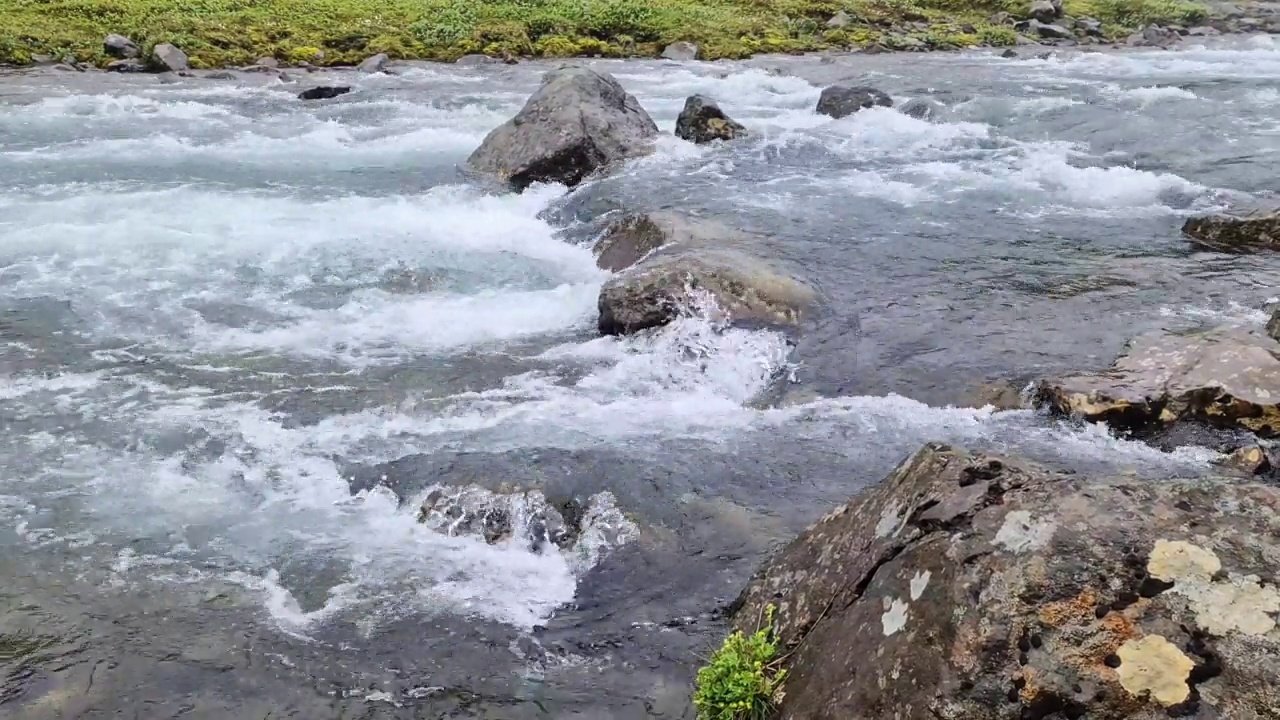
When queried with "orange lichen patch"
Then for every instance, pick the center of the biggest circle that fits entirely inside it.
(1076, 611)
(1030, 690)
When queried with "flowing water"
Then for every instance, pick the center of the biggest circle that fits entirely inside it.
(242, 337)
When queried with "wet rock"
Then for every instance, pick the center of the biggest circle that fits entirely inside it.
(1043, 10)
(921, 108)
(1153, 36)
(1042, 595)
(873, 49)
(220, 75)
(1255, 229)
(374, 64)
(119, 46)
(1250, 460)
(702, 121)
(126, 66)
(324, 92)
(1049, 30)
(1226, 377)
(1089, 26)
(840, 101)
(477, 60)
(676, 264)
(1273, 324)
(1009, 53)
(839, 20)
(579, 122)
(166, 57)
(1203, 31)
(681, 51)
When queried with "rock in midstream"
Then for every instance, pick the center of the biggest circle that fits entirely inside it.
(977, 587)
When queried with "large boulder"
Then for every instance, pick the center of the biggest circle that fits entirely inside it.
(579, 122)
(840, 101)
(1153, 36)
(1226, 377)
(681, 51)
(1256, 228)
(974, 587)
(168, 58)
(121, 47)
(702, 121)
(1049, 30)
(374, 64)
(1044, 11)
(671, 263)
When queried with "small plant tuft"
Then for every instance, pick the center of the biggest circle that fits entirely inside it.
(742, 680)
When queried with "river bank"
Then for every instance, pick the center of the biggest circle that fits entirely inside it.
(226, 34)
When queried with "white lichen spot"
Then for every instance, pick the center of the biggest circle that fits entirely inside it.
(1243, 604)
(889, 521)
(1154, 665)
(1021, 533)
(1175, 560)
(919, 583)
(895, 618)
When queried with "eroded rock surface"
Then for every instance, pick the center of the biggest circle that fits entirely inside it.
(578, 122)
(1256, 228)
(975, 587)
(1227, 377)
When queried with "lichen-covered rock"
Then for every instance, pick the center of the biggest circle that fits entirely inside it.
(1043, 10)
(1257, 228)
(119, 46)
(983, 588)
(1227, 377)
(702, 121)
(1273, 325)
(681, 51)
(167, 58)
(374, 64)
(840, 101)
(1250, 460)
(578, 122)
(672, 263)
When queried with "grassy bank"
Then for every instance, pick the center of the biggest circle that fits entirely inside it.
(332, 32)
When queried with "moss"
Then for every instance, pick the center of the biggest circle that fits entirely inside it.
(743, 678)
(235, 32)
(997, 36)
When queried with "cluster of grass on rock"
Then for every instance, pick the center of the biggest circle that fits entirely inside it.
(333, 32)
(742, 679)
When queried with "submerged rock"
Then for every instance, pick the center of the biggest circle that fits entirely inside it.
(324, 92)
(921, 108)
(166, 57)
(681, 51)
(840, 101)
(119, 46)
(1256, 229)
(579, 122)
(976, 587)
(1225, 377)
(702, 121)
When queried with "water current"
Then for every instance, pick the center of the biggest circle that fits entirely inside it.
(242, 337)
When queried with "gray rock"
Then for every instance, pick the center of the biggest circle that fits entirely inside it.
(1153, 36)
(1225, 377)
(681, 51)
(1257, 228)
(166, 57)
(1048, 30)
(577, 123)
(671, 259)
(979, 587)
(1273, 325)
(267, 63)
(260, 68)
(921, 108)
(1000, 18)
(1203, 31)
(221, 75)
(324, 92)
(839, 20)
(1009, 53)
(374, 64)
(126, 66)
(1044, 11)
(119, 46)
(1249, 460)
(468, 60)
(1089, 26)
(840, 101)
(702, 121)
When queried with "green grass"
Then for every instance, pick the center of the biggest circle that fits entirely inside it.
(335, 32)
(742, 679)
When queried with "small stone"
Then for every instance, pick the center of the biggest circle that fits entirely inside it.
(167, 57)
(1009, 53)
(324, 92)
(839, 20)
(374, 64)
(126, 66)
(119, 46)
(702, 121)
(840, 101)
(681, 51)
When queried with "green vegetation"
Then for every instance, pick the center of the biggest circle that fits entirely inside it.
(742, 678)
(332, 32)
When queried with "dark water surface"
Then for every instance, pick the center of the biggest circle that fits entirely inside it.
(242, 337)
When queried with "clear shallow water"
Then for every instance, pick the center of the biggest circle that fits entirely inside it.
(242, 336)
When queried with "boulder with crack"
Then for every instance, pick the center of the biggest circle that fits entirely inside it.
(577, 123)
(975, 587)
(1226, 377)
(1256, 228)
(672, 263)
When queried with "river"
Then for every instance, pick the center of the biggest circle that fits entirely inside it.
(242, 337)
